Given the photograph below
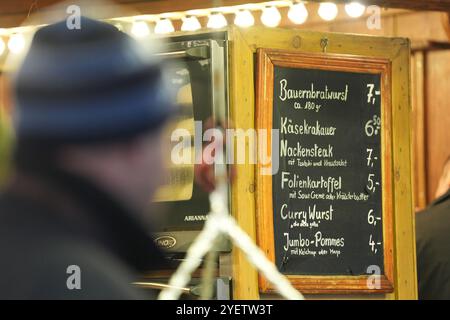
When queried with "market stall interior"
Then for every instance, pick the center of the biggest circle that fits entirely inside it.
(339, 207)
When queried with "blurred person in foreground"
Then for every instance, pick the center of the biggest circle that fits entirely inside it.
(89, 115)
(433, 243)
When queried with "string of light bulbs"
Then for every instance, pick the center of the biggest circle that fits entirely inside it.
(244, 17)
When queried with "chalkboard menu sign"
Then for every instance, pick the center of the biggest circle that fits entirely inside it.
(324, 215)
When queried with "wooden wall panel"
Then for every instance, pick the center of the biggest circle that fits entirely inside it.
(360, 26)
(421, 26)
(418, 26)
(437, 99)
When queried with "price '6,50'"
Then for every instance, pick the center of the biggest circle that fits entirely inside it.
(373, 126)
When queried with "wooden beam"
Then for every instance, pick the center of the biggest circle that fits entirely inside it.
(446, 23)
(159, 6)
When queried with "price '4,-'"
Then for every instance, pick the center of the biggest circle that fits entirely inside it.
(374, 245)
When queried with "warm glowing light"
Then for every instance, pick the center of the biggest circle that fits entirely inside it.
(190, 23)
(355, 9)
(164, 26)
(244, 19)
(328, 11)
(16, 43)
(298, 13)
(2, 46)
(216, 21)
(140, 29)
(118, 26)
(271, 17)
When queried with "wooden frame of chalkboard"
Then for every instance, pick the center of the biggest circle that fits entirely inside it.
(268, 60)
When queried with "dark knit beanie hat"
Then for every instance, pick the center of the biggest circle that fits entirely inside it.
(86, 85)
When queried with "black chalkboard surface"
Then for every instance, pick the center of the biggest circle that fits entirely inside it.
(327, 209)
(324, 203)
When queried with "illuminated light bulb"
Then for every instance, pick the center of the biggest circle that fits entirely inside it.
(2, 46)
(271, 17)
(244, 19)
(298, 13)
(216, 21)
(16, 43)
(164, 26)
(190, 23)
(140, 29)
(355, 9)
(327, 11)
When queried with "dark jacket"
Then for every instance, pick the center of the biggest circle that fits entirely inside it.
(53, 221)
(433, 249)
